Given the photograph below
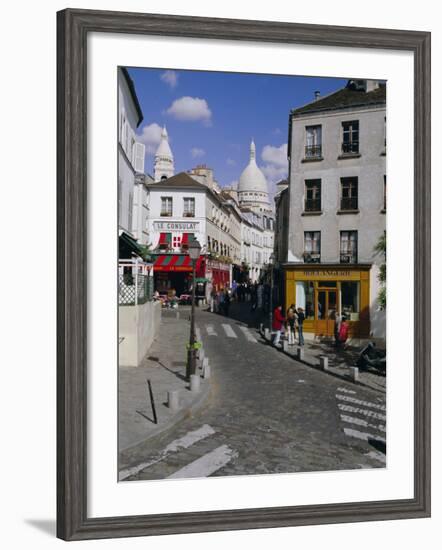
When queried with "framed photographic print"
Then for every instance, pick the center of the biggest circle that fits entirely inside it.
(243, 274)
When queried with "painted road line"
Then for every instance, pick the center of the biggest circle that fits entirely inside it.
(345, 390)
(207, 464)
(365, 412)
(361, 422)
(359, 402)
(248, 334)
(377, 456)
(211, 330)
(362, 435)
(229, 331)
(182, 443)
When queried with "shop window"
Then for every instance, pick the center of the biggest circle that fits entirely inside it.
(350, 305)
(349, 247)
(305, 298)
(349, 193)
(312, 246)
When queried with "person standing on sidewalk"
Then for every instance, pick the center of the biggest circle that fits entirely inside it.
(291, 324)
(301, 317)
(226, 302)
(278, 321)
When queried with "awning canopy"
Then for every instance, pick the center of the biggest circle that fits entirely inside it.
(177, 262)
(127, 246)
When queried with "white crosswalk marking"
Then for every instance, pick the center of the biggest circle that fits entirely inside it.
(377, 456)
(211, 330)
(359, 402)
(362, 435)
(182, 443)
(248, 335)
(229, 331)
(365, 412)
(345, 390)
(361, 422)
(207, 464)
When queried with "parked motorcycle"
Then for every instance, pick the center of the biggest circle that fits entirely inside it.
(372, 358)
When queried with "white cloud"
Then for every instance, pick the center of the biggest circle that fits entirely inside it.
(275, 155)
(151, 137)
(191, 109)
(231, 162)
(197, 152)
(170, 78)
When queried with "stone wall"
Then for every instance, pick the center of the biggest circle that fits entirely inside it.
(138, 326)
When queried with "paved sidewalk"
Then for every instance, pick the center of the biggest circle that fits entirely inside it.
(339, 362)
(165, 367)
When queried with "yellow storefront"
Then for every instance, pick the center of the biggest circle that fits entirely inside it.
(324, 291)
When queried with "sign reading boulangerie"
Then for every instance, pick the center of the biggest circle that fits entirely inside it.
(176, 226)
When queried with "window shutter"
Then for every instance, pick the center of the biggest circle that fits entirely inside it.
(139, 157)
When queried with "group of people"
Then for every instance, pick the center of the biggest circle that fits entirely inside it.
(293, 322)
(219, 300)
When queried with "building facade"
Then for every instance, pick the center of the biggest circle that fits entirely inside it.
(336, 202)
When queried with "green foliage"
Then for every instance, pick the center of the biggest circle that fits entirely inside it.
(381, 248)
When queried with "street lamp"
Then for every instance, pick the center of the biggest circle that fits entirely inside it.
(271, 262)
(194, 251)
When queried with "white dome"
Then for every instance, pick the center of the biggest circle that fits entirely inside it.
(252, 179)
(164, 147)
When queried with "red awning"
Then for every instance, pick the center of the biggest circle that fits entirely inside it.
(177, 262)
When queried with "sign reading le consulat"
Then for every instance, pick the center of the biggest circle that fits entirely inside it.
(176, 226)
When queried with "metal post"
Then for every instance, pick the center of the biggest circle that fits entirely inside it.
(191, 353)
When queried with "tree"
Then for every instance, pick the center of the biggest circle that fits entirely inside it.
(381, 249)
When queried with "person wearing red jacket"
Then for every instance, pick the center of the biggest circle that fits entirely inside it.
(278, 321)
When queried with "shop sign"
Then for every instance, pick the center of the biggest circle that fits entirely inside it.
(176, 226)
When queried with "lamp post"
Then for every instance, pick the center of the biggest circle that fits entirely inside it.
(271, 262)
(194, 253)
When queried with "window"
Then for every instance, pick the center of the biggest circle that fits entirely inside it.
(312, 196)
(312, 246)
(305, 298)
(349, 247)
(313, 147)
(176, 241)
(350, 137)
(189, 207)
(349, 193)
(350, 300)
(166, 206)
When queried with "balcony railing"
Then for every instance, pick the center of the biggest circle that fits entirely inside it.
(348, 258)
(349, 203)
(166, 213)
(312, 257)
(189, 214)
(350, 148)
(313, 151)
(312, 205)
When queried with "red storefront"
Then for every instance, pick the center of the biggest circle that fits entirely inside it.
(218, 273)
(174, 271)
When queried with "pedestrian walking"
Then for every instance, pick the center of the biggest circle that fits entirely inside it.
(300, 318)
(220, 301)
(213, 299)
(278, 322)
(226, 302)
(343, 333)
(291, 330)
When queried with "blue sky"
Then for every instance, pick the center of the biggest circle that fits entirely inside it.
(212, 116)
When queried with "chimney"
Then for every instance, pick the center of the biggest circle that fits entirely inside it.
(317, 95)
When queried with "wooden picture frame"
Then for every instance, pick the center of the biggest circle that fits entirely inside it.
(73, 27)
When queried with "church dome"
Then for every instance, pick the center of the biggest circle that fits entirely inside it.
(252, 179)
(164, 147)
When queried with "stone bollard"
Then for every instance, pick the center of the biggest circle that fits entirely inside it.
(261, 327)
(323, 362)
(267, 333)
(300, 353)
(177, 314)
(173, 400)
(201, 354)
(354, 374)
(285, 345)
(195, 383)
(205, 363)
(206, 371)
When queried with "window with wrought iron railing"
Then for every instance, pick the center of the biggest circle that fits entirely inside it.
(189, 207)
(350, 137)
(166, 206)
(349, 247)
(312, 196)
(349, 193)
(312, 246)
(313, 151)
(313, 144)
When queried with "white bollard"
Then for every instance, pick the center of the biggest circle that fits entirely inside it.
(173, 400)
(285, 345)
(206, 372)
(201, 354)
(205, 363)
(354, 374)
(194, 383)
(323, 362)
(267, 333)
(261, 327)
(300, 353)
(177, 314)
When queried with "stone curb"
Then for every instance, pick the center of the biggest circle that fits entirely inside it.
(319, 369)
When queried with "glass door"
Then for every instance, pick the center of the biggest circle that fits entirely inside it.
(326, 310)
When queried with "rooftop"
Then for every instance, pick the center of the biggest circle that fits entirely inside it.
(179, 180)
(350, 96)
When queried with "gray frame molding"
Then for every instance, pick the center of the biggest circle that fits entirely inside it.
(72, 29)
